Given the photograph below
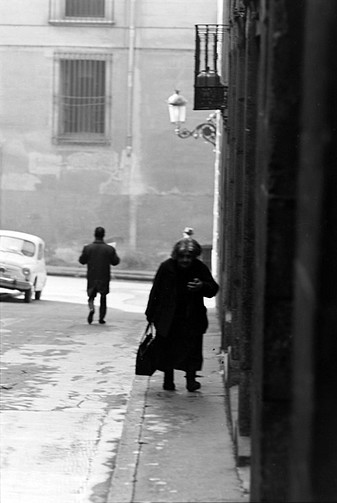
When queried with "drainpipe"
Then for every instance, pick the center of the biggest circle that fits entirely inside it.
(133, 200)
(215, 265)
(130, 76)
(215, 259)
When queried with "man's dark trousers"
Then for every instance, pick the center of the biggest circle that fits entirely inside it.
(102, 307)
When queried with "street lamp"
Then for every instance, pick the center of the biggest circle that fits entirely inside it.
(177, 110)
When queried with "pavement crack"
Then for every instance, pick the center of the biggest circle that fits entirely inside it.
(8, 387)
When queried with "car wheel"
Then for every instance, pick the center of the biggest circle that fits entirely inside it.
(38, 295)
(28, 295)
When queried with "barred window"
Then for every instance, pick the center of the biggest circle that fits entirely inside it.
(84, 8)
(81, 12)
(83, 104)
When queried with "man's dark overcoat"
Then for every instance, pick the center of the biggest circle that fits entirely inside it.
(98, 256)
(180, 316)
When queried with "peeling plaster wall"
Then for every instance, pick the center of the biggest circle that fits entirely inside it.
(144, 195)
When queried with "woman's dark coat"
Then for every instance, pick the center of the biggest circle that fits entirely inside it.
(179, 332)
(98, 256)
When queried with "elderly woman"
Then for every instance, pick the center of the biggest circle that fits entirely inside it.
(176, 308)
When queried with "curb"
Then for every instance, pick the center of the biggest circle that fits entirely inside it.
(242, 445)
(127, 456)
(81, 272)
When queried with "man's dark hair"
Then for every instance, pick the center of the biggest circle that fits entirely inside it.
(99, 232)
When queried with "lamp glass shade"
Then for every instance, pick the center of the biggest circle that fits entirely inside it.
(177, 113)
(177, 107)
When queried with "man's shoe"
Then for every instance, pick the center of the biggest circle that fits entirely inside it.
(101, 322)
(90, 316)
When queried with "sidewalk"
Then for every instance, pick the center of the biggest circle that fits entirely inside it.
(176, 446)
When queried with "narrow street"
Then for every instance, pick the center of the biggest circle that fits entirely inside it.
(64, 390)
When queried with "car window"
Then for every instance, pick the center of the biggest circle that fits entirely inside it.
(40, 254)
(28, 248)
(17, 245)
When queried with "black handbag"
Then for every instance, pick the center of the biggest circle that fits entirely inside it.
(145, 359)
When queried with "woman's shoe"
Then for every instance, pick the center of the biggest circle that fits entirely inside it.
(193, 386)
(169, 386)
(191, 383)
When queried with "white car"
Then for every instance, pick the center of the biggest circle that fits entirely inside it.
(22, 264)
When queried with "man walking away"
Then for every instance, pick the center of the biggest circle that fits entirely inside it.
(98, 256)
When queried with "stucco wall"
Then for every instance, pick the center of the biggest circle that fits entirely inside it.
(147, 184)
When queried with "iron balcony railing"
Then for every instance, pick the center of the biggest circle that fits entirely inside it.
(210, 92)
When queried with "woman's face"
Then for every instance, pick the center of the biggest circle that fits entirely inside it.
(184, 259)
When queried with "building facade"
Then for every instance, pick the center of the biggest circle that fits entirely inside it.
(85, 134)
(86, 141)
(277, 244)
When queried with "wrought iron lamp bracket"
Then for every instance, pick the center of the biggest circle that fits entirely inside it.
(205, 130)
(239, 12)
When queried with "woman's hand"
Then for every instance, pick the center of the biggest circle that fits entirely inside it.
(195, 285)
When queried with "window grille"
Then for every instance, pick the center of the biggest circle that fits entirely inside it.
(81, 12)
(82, 100)
(84, 8)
